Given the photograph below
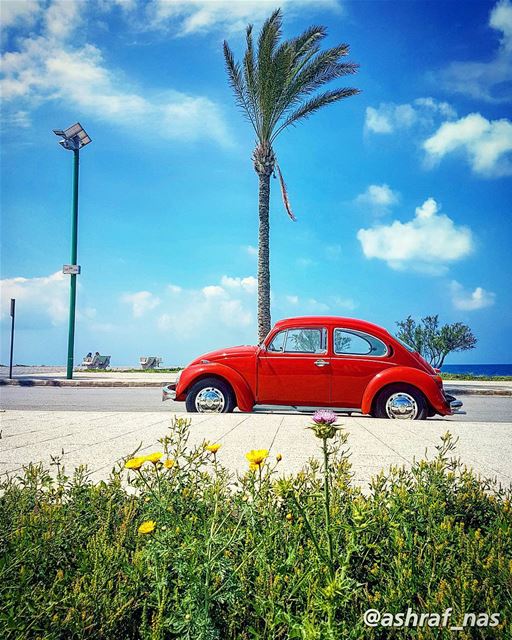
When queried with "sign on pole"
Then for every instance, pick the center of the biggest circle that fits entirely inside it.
(71, 269)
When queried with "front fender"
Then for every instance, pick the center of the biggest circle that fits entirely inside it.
(408, 375)
(190, 375)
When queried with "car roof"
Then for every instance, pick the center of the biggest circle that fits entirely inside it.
(338, 321)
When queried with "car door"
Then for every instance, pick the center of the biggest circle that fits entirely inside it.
(357, 358)
(294, 369)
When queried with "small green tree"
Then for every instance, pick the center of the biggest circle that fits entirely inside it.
(433, 342)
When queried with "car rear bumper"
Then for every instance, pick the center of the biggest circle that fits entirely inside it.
(454, 404)
(169, 392)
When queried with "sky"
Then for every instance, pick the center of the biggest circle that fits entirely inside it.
(402, 193)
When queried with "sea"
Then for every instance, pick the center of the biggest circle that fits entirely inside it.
(479, 369)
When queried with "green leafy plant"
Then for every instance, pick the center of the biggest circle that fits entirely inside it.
(175, 546)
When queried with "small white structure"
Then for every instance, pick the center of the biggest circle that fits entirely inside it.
(150, 362)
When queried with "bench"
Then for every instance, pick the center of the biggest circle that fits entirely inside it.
(96, 362)
(149, 362)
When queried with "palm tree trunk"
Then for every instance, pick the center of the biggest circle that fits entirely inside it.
(264, 321)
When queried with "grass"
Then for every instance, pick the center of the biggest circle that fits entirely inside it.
(258, 555)
(476, 378)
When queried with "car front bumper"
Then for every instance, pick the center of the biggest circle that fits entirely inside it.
(169, 391)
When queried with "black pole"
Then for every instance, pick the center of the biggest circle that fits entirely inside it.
(13, 305)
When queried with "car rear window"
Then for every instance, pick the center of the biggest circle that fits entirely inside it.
(358, 343)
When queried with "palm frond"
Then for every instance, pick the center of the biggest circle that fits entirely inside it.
(236, 80)
(284, 194)
(251, 78)
(314, 104)
(267, 68)
(316, 71)
(306, 40)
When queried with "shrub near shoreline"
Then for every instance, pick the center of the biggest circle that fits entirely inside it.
(190, 551)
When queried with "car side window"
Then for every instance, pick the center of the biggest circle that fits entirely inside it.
(358, 343)
(278, 341)
(306, 341)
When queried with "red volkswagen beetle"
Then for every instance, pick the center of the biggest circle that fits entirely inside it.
(325, 361)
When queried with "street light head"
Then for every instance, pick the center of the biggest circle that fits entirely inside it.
(73, 138)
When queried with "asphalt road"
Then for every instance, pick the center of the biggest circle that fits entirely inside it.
(478, 408)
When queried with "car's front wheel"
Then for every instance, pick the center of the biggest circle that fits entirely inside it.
(400, 402)
(210, 395)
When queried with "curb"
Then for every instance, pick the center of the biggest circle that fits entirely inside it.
(51, 382)
(31, 382)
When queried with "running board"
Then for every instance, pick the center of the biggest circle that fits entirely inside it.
(301, 409)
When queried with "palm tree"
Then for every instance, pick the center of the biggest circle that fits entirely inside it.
(276, 87)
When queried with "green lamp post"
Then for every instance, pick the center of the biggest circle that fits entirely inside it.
(73, 139)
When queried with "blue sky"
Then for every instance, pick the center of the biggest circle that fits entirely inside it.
(402, 194)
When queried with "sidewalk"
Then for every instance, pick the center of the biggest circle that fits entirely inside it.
(57, 378)
(88, 379)
(103, 439)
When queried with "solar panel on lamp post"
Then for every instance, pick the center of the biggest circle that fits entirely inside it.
(73, 139)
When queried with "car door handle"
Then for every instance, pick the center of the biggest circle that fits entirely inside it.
(321, 363)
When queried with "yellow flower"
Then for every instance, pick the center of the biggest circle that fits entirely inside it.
(213, 448)
(169, 463)
(279, 457)
(153, 457)
(289, 517)
(256, 457)
(253, 466)
(147, 527)
(135, 463)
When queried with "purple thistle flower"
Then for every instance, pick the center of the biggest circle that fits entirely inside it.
(324, 416)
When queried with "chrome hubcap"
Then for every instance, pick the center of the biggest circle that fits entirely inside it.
(402, 406)
(210, 400)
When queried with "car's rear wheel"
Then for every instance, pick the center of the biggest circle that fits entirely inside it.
(210, 395)
(400, 402)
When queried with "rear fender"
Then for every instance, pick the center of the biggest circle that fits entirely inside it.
(407, 375)
(190, 375)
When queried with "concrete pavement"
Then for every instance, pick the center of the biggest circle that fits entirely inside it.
(102, 439)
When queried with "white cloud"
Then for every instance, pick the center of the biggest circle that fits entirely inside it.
(62, 17)
(16, 13)
(40, 300)
(252, 251)
(17, 119)
(343, 303)
(426, 243)
(471, 300)
(213, 291)
(304, 306)
(193, 16)
(377, 197)
(249, 284)
(215, 311)
(141, 301)
(487, 144)
(46, 65)
(491, 80)
(389, 117)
